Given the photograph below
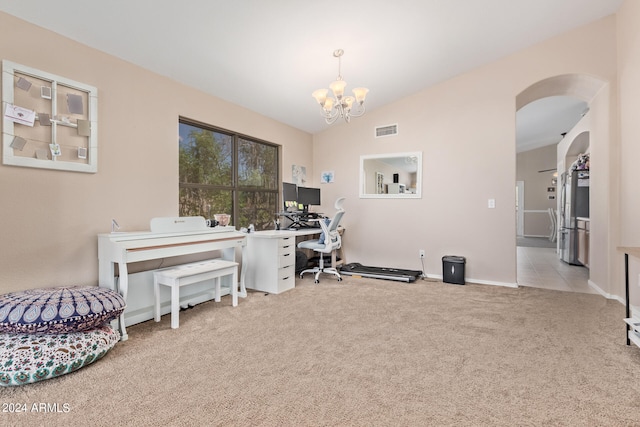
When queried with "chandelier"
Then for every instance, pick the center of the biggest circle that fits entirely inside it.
(342, 106)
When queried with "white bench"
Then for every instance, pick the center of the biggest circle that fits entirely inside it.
(187, 274)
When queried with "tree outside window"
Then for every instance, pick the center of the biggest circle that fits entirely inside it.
(223, 172)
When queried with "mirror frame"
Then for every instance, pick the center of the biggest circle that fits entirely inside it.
(416, 195)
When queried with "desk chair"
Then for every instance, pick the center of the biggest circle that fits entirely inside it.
(328, 242)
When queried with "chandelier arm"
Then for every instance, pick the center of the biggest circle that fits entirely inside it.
(331, 119)
(358, 113)
(330, 115)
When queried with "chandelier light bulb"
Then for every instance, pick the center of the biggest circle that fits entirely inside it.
(320, 95)
(361, 94)
(337, 88)
(348, 102)
(328, 105)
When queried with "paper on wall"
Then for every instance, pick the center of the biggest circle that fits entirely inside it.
(42, 154)
(74, 103)
(55, 150)
(84, 127)
(23, 84)
(20, 115)
(18, 143)
(44, 119)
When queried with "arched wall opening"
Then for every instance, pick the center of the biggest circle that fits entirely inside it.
(594, 130)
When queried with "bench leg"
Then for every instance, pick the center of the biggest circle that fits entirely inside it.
(217, 291)
(156, 304)
(234, 287)
(175, 306)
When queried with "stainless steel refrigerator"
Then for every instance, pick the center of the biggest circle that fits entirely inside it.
(574, 203)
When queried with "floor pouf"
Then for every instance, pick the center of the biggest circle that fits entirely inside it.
(29, 358)
(59, 310)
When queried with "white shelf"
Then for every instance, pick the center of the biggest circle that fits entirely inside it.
(634, 333)
(633, 323)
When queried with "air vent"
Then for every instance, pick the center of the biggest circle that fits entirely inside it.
(387, 130)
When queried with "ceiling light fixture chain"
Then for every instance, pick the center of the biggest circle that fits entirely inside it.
(338, 54)
(340, 106)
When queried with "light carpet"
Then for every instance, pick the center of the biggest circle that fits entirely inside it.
(361, 352)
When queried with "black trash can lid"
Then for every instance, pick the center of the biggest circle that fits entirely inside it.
(454, 258)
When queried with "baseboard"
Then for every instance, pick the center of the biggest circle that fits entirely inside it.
(492, 283)
(515, 285)
(605, 294)
(477, 281)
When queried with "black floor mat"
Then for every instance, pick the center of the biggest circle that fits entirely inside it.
(357, 269)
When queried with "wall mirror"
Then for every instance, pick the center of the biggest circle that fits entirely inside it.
(391, 176)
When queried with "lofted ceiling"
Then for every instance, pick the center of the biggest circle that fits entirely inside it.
(268, 56)
(542, 122)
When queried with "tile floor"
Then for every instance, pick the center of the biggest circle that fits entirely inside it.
(541, 268)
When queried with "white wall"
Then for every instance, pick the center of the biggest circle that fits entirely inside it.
(529, 165)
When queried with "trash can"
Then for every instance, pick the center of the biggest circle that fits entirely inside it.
(302, 261)
(453, 269)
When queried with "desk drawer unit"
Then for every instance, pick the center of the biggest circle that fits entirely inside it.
(270, 263)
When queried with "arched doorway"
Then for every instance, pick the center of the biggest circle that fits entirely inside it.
(552, 272)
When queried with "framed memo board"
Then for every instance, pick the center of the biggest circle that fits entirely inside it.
(49, 121)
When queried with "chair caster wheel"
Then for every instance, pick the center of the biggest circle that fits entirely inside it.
(316, 281)
(301, 276)
(339, 279)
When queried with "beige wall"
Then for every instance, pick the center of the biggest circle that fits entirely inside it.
(465, 128)
(595, 133)
(536, 201)
(50, 219)
(629, 77)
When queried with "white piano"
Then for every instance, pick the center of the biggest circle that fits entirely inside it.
(168, 237)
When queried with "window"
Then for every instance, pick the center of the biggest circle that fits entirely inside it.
(223, 172)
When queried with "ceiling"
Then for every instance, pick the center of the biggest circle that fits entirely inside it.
(542, 122)
(268, 56)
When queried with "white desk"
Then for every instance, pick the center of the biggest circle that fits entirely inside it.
(271, 259)
(275, 234)
(123, 248)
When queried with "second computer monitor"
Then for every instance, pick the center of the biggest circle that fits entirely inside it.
(308, 196)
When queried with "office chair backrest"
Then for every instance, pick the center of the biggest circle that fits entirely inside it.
(332, 228)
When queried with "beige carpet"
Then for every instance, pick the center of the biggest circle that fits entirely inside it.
(362, 352)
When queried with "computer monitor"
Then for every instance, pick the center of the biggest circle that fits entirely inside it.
(308, 196)
(290, 196)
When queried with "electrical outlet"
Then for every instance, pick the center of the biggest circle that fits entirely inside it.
(421, 253)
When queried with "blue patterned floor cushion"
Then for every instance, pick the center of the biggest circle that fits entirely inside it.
(29, 358)
(57, 310)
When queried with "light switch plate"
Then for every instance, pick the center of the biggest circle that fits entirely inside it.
(491, 203)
